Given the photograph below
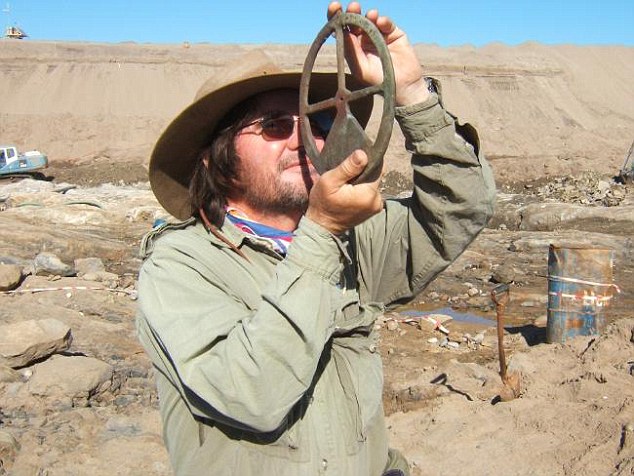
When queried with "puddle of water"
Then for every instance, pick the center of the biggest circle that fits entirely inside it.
(465, 317)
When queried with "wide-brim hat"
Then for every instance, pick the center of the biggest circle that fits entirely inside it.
(180, 145)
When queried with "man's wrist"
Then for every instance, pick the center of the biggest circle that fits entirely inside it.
(413, 93)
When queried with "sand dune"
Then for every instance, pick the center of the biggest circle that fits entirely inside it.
(557, 109)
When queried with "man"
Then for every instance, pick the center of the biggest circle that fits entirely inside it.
(258, 311)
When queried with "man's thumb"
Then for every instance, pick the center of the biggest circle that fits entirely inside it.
(353, 165)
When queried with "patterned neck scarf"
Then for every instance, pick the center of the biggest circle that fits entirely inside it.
(278, 239)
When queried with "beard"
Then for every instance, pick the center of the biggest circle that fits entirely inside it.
(270, 193)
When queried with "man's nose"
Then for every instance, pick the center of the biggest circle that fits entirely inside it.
(295, 140)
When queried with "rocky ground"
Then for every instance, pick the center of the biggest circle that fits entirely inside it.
(76, 390)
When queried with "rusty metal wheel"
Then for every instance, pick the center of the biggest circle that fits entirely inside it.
(347, 134)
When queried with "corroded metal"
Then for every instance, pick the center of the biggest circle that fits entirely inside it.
(347, 134)
(580, 290)
(511, 381)
(627, 171)
(500, 296)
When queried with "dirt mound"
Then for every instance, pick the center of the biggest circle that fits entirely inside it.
(575, 414)
(554, 109)
(90, 173)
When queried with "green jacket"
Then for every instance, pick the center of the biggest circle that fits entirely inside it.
(269, 366)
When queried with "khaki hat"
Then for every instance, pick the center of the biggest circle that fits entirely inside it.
(176, 151)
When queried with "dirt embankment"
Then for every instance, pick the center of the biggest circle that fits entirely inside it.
(540, 110)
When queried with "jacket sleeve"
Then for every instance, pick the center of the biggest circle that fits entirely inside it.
(242, 364)
(403, 248)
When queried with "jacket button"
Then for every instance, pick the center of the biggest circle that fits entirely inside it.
(324, 463)
(372, 348)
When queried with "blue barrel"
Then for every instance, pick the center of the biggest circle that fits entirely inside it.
(580, 290)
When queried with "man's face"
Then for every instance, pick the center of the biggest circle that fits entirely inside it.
(274, 174)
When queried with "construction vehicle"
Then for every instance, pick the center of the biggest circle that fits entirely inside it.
(15, 33)
(14, 162)
(626, 174)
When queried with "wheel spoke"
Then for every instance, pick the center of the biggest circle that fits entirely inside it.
(329, 103)
(341, 57)
(361, 93)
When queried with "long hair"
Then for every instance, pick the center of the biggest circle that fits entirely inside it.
(217, 166)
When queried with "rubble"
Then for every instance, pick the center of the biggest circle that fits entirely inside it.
(28, 341)
(96, 391)
(587, 188)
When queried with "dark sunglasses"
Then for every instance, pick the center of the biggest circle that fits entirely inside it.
(281, 127)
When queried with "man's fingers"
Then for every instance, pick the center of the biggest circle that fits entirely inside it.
(372, 15)
(354, 7)
(385, 25)
(333, 8)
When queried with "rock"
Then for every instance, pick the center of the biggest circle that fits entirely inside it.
(586, 188)
(11, 260)
(25, 342)
(9, 448)
(541, 321)
(556, 216)
(603, 186)
(7, 374)
(77, 377)
(48, 264)
(29, 185)
(144, 214)
(392, 325)
(10, 276)
(111, 280)
(505, 273)
(89, 265)
(122, 426)
(627, 438)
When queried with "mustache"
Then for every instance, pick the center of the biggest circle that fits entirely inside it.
(290, 161)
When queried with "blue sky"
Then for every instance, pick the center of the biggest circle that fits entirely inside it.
(444, 22)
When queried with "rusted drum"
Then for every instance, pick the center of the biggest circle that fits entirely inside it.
(580, 290)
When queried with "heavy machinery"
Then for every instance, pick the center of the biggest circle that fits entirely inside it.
(13, 162)
(626, 174)
(15, 33)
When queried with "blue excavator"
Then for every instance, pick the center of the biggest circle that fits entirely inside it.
(13, 162)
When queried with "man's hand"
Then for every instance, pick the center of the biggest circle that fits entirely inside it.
(338, 205)
(365, 63)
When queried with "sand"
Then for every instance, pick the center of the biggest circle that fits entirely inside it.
(557, 109)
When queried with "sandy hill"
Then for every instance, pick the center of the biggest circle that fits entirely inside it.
(556, 109)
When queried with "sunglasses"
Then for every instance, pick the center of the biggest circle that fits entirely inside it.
(280, 127)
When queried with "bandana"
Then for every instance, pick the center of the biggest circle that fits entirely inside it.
(278, 239)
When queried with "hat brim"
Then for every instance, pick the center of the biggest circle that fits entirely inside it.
(179, 147)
